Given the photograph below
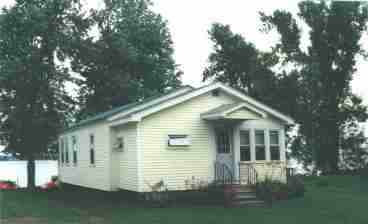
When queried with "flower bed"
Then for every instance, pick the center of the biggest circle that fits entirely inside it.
(7, 185)
(270, 190)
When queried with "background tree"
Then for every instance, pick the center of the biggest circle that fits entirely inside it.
(239, 64)
(314, 86)
(34, 36)
(326, 107)
(131, 59)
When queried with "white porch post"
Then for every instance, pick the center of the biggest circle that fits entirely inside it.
(267, 144)
(252, 145)
(282, 145)
(236, 150)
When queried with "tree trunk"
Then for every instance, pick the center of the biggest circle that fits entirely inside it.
(31, 173)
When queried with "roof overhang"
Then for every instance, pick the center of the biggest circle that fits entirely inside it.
(248, 103)
(127, 120)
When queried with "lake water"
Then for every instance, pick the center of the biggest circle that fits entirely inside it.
(17, 171)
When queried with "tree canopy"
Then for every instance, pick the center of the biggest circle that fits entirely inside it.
(132, 57)
(327, 108)
(34, 37)
(45, 44)
(313, 85)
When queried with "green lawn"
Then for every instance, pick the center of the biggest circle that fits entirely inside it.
(344, 200)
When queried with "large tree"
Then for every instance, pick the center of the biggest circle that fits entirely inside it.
(130, 59)
(326, 106)
(313, 85)
(241, 65)
(35, 38)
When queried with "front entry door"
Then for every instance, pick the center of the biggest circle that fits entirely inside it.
(224, 147)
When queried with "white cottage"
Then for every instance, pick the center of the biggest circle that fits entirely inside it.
(210, 133)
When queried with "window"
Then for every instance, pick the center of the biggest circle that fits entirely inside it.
(260, 145)
(274, 145)
(66, 150)
(223, 141)
(61, 151)
(75, 150)
(92, 149)
(244, 146)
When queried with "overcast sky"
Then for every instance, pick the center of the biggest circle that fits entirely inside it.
(190, 20)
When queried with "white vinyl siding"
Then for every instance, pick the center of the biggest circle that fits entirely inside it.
(125, 162)
(93, 176)
(175, 165)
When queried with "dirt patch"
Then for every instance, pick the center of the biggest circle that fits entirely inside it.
(26, 220)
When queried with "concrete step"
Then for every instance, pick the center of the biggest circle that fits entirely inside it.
(248, 203)
(244, 197)
(244, 190)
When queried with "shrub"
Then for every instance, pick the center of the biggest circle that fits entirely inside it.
(270, 190)
(54, 178)
(296, 187)
(322, 182)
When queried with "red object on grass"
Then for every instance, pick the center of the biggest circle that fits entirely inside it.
(51, 185)
(7, 186)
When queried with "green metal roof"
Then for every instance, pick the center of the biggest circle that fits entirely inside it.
(109, 113)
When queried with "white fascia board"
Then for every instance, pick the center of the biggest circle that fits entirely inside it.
(177, 100)
(255, 103)
(131, 119)
(153, 102)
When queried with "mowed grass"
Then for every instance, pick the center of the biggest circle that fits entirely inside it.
(344, 200)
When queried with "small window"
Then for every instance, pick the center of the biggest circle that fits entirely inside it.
(61, 151)
(244, 146)
(119, 144)
(92, 149)
(66, 150)
(260, 145)
(274, 145)
(75, 150)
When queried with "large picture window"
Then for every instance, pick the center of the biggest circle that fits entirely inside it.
(244, 146)
(260, 145)
(274, 145)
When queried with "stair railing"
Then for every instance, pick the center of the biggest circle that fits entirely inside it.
(290, 172)
(223, 174)
(251, 177)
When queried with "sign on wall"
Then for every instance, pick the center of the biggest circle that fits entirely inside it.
(178, 140)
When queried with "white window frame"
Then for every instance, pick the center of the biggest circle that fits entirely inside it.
(275, 145)
(264, 145)
(249, 145)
